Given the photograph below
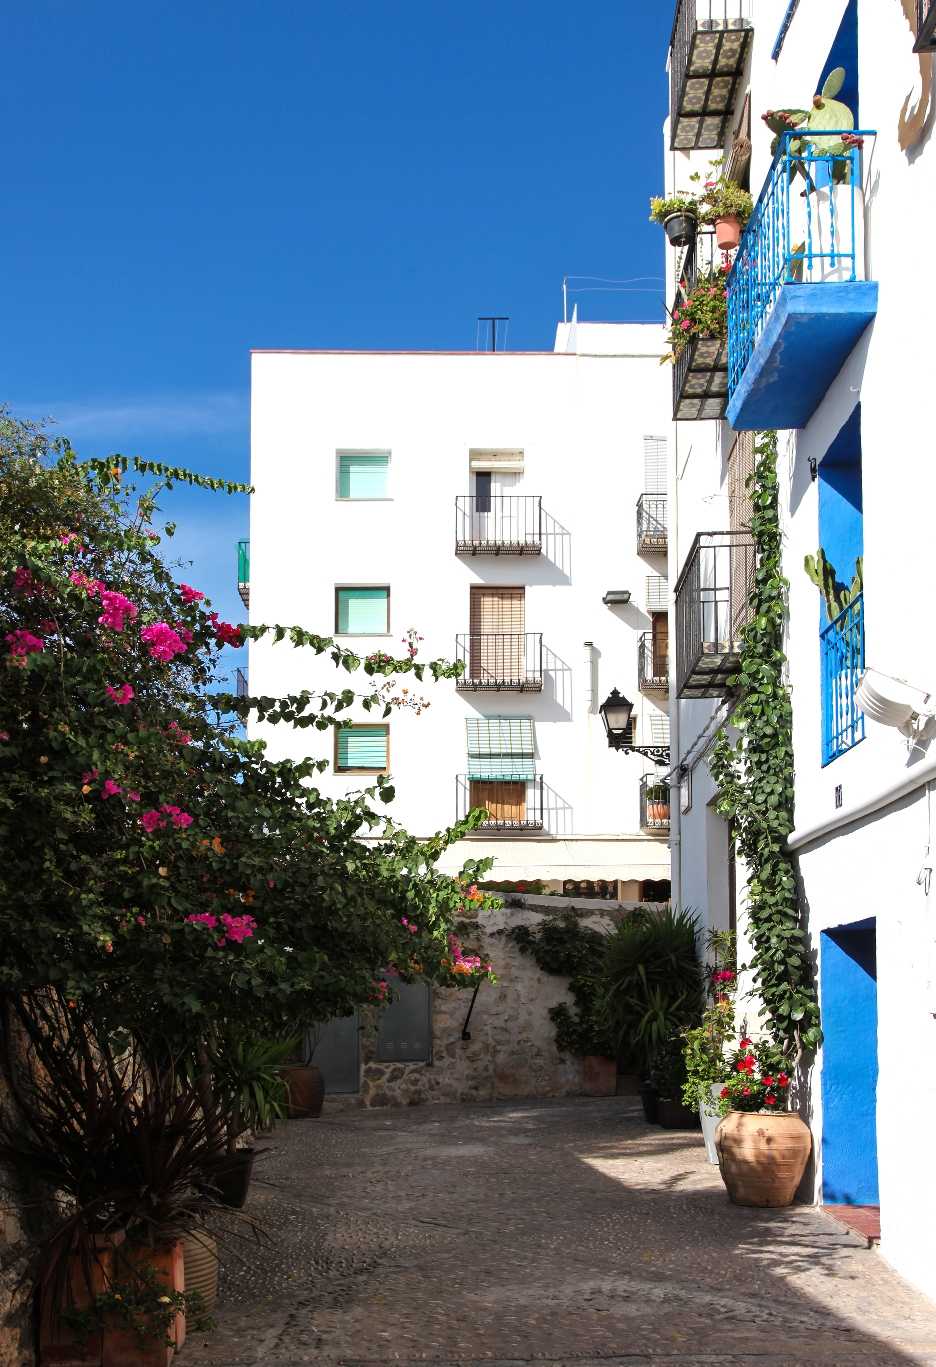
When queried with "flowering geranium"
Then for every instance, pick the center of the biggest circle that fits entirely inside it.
(757, 1079)
(703, 312)
(164, 641)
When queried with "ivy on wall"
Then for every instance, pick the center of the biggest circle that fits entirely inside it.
(754, 778)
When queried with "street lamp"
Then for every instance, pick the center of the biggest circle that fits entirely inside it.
(616, 712)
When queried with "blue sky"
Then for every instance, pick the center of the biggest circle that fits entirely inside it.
(187, 181)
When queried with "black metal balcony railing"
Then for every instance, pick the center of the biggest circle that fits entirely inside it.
(500, 662)
(651, 522)
(700, 380)
(511, 804)
(713, 606)
(926, 26)
(243, 572)
(654, 805)
(498, 524)
(708, 51)
(652, 664)
(240, 680)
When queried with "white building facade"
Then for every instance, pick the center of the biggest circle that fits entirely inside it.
(829, 345)
(487, 501)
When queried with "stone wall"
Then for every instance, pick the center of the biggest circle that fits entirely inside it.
(512, 1050)
(16, 1301)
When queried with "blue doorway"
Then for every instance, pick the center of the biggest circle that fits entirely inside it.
(848, 980)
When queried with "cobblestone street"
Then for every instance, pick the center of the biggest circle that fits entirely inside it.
(562, 1232)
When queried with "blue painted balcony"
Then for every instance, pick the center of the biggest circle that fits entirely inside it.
(842, 651)
(797, 298)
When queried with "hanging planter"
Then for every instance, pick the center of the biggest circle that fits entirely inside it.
(728, 232)
(725, 206)
(679, 217)
(680, 229)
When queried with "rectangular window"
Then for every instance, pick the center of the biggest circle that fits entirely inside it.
(505, 803)
(362, 749)
(501, 748)
(362, 611)
(363, 474)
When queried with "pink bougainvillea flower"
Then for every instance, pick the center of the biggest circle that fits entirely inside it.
(110, 788)
(184, 632)
(91, 587)
(133, 795)
(225, 633)
(238, 928)
(202, 918)
(120, 695)
(24, 582)
(89, 775)
(68, 537)
(190, 595)
(116, 609)
(164, 642)
(141, 920)
(22, 642)
(152, 821)
(179, 818)
(4, 735)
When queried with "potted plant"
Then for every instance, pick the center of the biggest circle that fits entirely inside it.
(658, 804)
(305, 1086)
(247, 1094)
(763, 1147)
(703, 313)
(668, 1075)
(725, 205)
(679, 216)
(707, 1067)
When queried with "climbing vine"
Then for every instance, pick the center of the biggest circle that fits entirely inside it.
(754, 777)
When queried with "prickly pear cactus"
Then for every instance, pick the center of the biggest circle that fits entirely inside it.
(837, 596)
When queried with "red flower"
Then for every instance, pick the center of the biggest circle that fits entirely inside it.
(767, 1081)
(745, 1091)
(724, 1092)
(745, 1064)
(745, 1043)
(783, 1080)
(770, 1101)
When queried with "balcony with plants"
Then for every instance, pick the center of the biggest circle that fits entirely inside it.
(243, 572)
(709, 46)
(651, 523)
(500, 662)
(654, 806)
(499, 524)
(652, 663)
(798, 297)
(713, 596)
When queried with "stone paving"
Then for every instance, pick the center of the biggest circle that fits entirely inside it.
(561, 1232)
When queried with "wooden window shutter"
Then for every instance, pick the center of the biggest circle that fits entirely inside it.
(496, 621)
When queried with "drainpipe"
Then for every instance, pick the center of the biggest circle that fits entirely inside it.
(590, 680)
(675, 841)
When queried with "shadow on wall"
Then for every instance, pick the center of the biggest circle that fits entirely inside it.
(557, 813)
(557, 684)
(557, 545)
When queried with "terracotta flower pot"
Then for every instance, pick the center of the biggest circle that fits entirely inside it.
(59, 1345)
(762, 1156)
(305, 1089)
(658, 813)
(599, 1075)
(122, 1347)
(200, 1256)
(728, 233)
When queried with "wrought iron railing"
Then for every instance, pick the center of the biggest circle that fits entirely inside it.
(712, 595)
(511, 805)
(654, 805)
(243, 571)
(651, 522)
(807, 228)
(240, 680)
(842, 648)
(708, 47)
(498, 524)
(926, 26)
(500, 661)
(652, 662)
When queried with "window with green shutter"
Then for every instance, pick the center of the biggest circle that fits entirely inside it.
(362, 611)
(362, 749)
(501, 748)
(363, 474)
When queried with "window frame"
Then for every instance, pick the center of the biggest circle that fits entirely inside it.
(361, 451)
(363, 635)
(362, 726)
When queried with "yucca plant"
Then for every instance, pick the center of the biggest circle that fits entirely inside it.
(652, 980)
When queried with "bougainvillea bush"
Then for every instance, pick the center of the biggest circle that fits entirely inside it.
(158, 870)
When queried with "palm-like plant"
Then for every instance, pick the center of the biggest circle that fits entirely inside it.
(652, 980)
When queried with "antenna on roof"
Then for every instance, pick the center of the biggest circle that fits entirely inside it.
(493, 319)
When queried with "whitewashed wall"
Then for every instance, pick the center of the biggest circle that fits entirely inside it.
(580, 420)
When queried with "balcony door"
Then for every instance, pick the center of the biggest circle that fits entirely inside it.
(660, 663)
(496, 514)
(505, 801)
(497, 639)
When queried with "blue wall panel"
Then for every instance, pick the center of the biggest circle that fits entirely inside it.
(841, 520)
(848, 983)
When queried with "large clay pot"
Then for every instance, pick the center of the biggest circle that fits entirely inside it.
(599, 1075)
(762, 1156)
(60, 1346)
(122, 1347)
(728, 232)
(200, 1255)
(305, 1090)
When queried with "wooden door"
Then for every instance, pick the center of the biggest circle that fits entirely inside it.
(660, 665)
(505, 802)
(497, 634)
